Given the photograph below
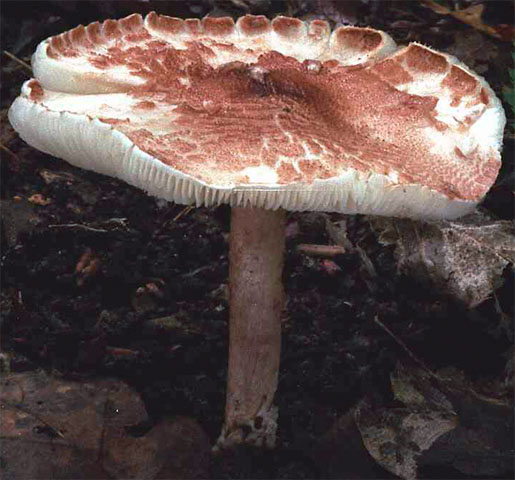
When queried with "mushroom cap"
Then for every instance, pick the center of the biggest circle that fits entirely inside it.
(273, 114)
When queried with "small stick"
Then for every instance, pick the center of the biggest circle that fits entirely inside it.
(79, 225)
(184, 211)
(17, 60)
(120, 351)
(405, 348)
(320, 250)
(10, 152)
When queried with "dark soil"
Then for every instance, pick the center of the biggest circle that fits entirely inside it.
(97, 317)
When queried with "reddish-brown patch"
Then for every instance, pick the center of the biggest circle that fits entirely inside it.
(62, 45)
(254, 24)
(145, 105)
(423, 60)
(287, 173)
(290, 28)
(484, 97)
(357, 39)
(170, 25)
(330, 64)
(132, 23)
(78, 35)
(111, 29)
(460, 82)
(55, 46)
(114, 121)
(459, 153)
(193, 26)
(94, 33)
(392, 72)
(314, 147)
(137, 37)
(181, 146)
(36, 91)
(218, 27)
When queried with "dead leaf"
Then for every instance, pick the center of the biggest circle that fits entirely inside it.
(442, 423)
(395, 437)
(463, 258)
(52, 428)
(473, 16)
(49, 426)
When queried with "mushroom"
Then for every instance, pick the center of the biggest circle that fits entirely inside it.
(266, 116)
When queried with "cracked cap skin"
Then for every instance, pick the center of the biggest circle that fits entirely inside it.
(272, 114)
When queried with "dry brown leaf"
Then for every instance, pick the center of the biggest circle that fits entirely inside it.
(438, 421)
(52, 428)
(473, 16)
(396, 437)
(463, 258)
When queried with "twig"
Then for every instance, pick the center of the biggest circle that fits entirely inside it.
(405, 348)
(120, 351)
(10, 152)
(122, 222)
(183, 212)
(194, 272)
(79, 226)
(17, 60)
(320, 250)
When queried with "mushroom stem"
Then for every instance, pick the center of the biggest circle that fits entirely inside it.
(256, 302)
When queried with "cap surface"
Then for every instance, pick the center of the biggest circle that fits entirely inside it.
(275, 114)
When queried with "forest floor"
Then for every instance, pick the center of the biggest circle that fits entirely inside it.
(102, 283)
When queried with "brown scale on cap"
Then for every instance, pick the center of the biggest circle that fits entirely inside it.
(254, 25)
(145, 105)
(111, 29)
(354, 38)
(94, 34)
(420, 59)
(70, 43)
(452, 80)
(193, 26)
(302, 120)
(394, 73)
(132, 23)
(289, 28)
(460, 83)
(162, 23)
(218, 27)
(36, 91)
(78, 36)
